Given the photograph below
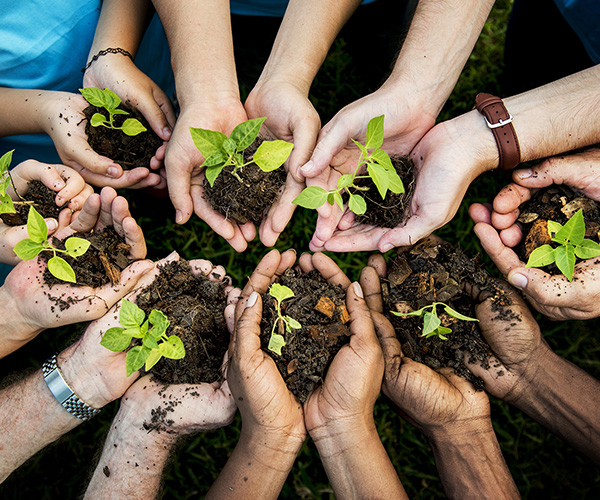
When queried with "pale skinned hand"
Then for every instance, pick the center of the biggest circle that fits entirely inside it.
(71, 193)
(290, 117)
(65, 124)
(185, 178)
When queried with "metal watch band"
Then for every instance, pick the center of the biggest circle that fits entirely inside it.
(499, 121)
(64, 394)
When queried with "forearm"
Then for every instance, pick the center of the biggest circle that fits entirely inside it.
(357, 464)
(307, 31)
(257, 468)
(24, 111)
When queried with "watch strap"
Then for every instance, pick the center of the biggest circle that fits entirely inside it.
(499, 121)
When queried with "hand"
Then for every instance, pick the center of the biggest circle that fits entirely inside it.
(65, 123)
(553, 296)
(68, 184)
(185, 178)
(290, 117)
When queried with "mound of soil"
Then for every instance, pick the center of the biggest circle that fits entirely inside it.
(128, 151)
(320, 307)
(434, 271)
(250, 199)
(394, 210)
(195, 307)
(106, 257)
(39, 196)
(557, 203)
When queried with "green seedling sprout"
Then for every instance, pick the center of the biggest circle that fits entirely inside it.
(281, 293)
(110, 101)
(379, 169)
(38, 242)
(221, 151)
(432, 324)
(6, 203)
(572, 243)
(155, 343)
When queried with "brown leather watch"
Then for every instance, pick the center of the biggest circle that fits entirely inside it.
(499, 121)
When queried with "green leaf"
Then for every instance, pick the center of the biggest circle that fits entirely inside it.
(132, 127)
(380, 177)
(245, 133)
(36, 226)
(375, 132)
(119, 112)
(28, 249)
(94, 96)
(153, 358)
(541, 256)
(159, 321)
(396, 185)
(553, 228)
(357, 204)
(114, 339)
(573, 231)
(135, 331)
(212, 173)
(312, 197)
(229, 146)
(420, 312)
(337, 197)
(440, 331)
(149, 341)
(364, 150)
(292, 323)
(172, 348)
(270, 155)
(587, 249)
(130, 316)
(6, 204)
(430, 322)
(455, 314)
(61, 269)
(276, 342)
(76, 246)
(565, 260)
(5, 160)
(331, 198)
(136, 357)
(215, 159)
(280, 292)
(344, 181)
(207, 141)
(98, 119)
(383, 159)
(111, 100)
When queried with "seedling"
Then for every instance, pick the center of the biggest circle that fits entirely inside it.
(6, 204)
(379, 169)
(572, 243)
(31, 247)
(281, 293)
(110, 101)
(221, 151)
(155, 343)
(432, 324)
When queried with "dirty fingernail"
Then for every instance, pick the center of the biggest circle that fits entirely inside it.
(386, 247)
(518, 280)
(358, 290)
(172, 256)
(178, 216)
(112, 171)
(308, 167)
(524, 173)
(51, 224)
(251, 300)
(167, 132)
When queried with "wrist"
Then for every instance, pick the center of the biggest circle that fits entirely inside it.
(270, 443)
(461, 433)
(342, 435)
(17, 329)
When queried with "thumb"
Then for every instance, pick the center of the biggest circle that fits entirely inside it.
(152, 111)
(331, 141)
(546, 289)
(305, 137)
(81, 154)
(247, 331)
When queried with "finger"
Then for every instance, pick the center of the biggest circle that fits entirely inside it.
(153, 112)
(86, 218)
(392, 350)
(134, 237)
(504, 257)
(13, 235)
(178, 181)
(481, 212)
(417, 227)
(76, 202)
(347, 220)
(83, 155)
(218, 222)
(326, 226)
(247, 331)
(74, 186)
(105, 219)
(248, 231)
(361, 325)
(305, 134)
(358, 239)
(217, 274)
(377, 262)
(331, 141)
(369, 281)
(280, 212)
(330, 270)
(201, 266)
(512, 236)
(510, 198)
(137, 178)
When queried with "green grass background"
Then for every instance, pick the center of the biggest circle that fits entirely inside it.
(543, 466)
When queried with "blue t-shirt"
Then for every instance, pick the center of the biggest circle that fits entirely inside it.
(270, 8)
(44, 45)
(584, 17)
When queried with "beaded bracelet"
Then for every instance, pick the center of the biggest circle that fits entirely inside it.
(107, 51)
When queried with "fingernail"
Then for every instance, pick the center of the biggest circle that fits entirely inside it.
(251, 300)
(167, 132)
(59, 184)
(386, 247)
(178, 216)
(518, 280)
(524, 173)
(358, 290)
(112, 171)
(308, 167)
(172, 256)
(51, 224)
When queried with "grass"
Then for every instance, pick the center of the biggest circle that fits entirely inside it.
(543, 466)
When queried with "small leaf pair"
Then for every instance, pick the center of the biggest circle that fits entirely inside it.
(432, 325)
(6, 203)
(281, 293)
(110, 101)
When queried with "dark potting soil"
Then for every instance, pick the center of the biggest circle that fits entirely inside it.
(128, 151)
(320, 307)
(394, 210)
(434, 271)
(106, 257)
(38, 195)
(557, 203)
(195, 307)
(250, 199)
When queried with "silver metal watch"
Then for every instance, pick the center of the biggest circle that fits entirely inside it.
(64, 394)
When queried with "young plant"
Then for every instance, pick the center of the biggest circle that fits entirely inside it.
(572, 243)
(432, 324)
(6, 204)
(379, 169)
(31, 247)
(155, 343)
(221, 151)
(281, 293)
(110, 101)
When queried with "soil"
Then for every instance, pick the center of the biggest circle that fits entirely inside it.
(557, 203)
(129, 152)
(42, 198)
(394, 210)
(320, 307)
(248, 200)
(436, 271)
(106, 257)
(195, 307)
